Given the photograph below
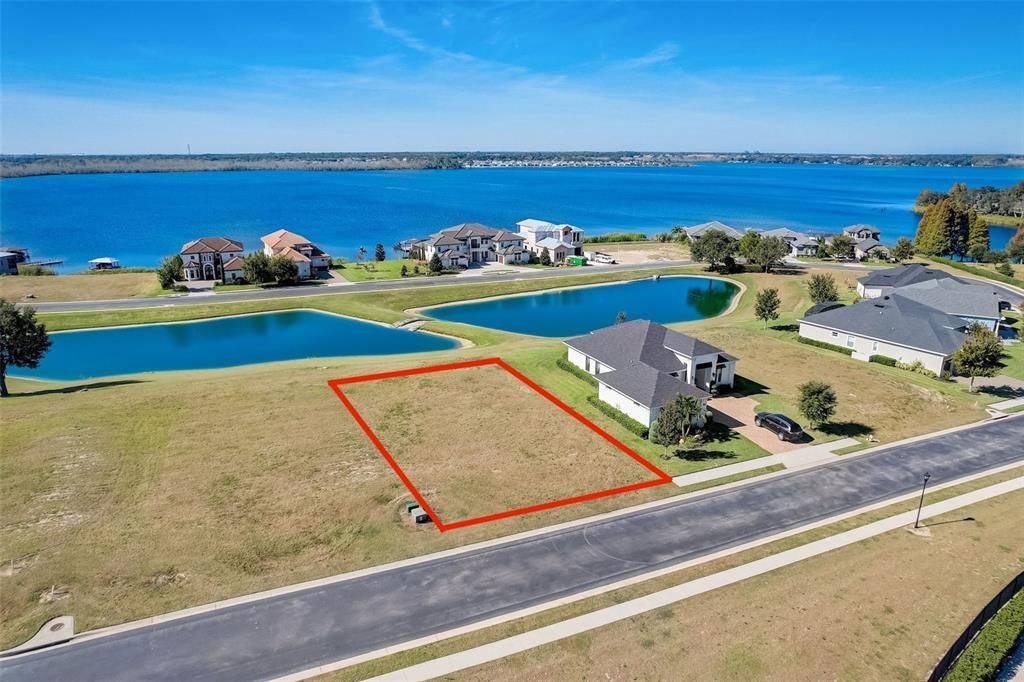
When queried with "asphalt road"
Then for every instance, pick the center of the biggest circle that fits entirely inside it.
(297, 631)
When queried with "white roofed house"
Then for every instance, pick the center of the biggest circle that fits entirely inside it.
(204, 259)
(309, 259)
(641, 366)
(561, 241)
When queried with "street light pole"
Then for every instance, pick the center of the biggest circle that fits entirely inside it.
(924, 484)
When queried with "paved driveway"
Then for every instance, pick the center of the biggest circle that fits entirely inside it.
(737, 412)
(278, 635)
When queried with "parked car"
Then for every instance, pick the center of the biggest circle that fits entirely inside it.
(598, 257)
(779, 424)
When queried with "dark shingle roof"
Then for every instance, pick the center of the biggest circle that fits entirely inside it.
(648, 386)
(956, 298)
(902, 276)
(640, 341)
(897, 320)
(823, 307)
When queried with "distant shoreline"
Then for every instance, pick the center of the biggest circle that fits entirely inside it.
(15, 166)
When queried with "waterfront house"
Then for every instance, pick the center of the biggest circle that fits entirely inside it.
(11, 257)
(309, 259)
(702, 229)
(462, 245)
(561, 240)
(891, 326)
(799, 244)
(641, 366)
(105, 263)
(203, 259)
(862, 231)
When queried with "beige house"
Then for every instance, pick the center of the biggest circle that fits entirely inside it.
(205, 259)
(462, 245)
(309, 259)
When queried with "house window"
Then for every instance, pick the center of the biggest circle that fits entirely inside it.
(849, 341)
(835, 334)
(874, 346)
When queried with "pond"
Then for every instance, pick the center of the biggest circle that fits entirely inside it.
(579, 310)
(222, 342)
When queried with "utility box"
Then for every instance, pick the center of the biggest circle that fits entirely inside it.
(576, 260)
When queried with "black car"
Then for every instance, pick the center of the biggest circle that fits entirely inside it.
(779, 424)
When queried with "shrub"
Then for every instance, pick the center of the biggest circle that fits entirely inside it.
(991, 646)
(980, 272)
(826, 346)
(916, 367)
(817, 402)
(883, 360)
(576, 371)
(34, 271)
(616, 237)
(621, 417)
(1004, 269)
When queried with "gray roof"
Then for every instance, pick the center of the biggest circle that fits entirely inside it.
(640, 342)
(868, 243)
(648, 386)
(851, 229)
(896, 320)
(511, 250)
(783, 232)
(823, 307)
(698, 230)
(505, 235)
(467, 230)
(443, 239)
(902, 276)
(552, 243)
(956, 298)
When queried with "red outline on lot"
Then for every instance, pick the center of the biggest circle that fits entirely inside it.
(335, 384)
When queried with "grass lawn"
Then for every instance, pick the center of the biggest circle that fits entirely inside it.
(639, 252)
(220, 288)
(1007, 220)
(458, 437)
(83, 287)
(883, 609)
(386, 269)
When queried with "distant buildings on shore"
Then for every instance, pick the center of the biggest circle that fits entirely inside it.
(865, 238)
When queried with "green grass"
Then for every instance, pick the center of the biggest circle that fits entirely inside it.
(742, 476)
(220, 288)
(1005, 220)
(375, 270)
(986, 652)
(978, 272)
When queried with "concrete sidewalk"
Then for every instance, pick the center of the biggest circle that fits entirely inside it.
(812, 455)
(447, 665)
(1008, 404)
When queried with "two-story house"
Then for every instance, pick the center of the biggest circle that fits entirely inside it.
(561, 241)
(461, 245)
(307, 256)
(212, 258)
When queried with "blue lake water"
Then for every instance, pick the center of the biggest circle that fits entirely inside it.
(222, 342)
(140, 218)
(571, 312)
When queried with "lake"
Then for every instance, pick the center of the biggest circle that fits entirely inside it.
(140, 218)
(222, 342)
(579, 310)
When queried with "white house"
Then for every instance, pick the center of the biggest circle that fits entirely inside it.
(891, 326)
(205, 258)
(561, 241)
(309, 259)
(641, 366)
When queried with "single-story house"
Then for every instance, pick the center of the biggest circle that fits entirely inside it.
(204, 258)
(799, 244)
(699, 230)
(309, 259)
(641, 366)
(868, 247)
(823, 307)
(970, 302)
(891, 326)
(882, 282)
(104, 263)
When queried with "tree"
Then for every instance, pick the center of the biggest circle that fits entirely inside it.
(712, 248)
(405, 271)
(23, 340)
(621, 317)
(170, 271)
(766, 307)
(769, 252)
(435, 266)
(256, 268)
(361, 254)
(747, 243)
(841, 246)
(943, 229)
(817, 402)
(904, 250)
(1004, 269)
(822, 288)
(675, 422)
(980, 354)
(283, 269)
(977, 238)
(1015, 249)
(379, 253)
(545, 256)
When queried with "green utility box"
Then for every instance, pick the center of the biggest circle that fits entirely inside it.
(576, 260)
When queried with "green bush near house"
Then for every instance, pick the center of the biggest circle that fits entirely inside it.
(621, 417)
(826, 346)
(576, 371)
(883, 360)
(987, 651)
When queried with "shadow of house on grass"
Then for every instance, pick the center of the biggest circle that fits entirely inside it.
(846, 429)
(78, 388)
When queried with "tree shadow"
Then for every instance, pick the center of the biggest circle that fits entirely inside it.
(78, 388)
(701, 455)
(847, 429)
(1005, 392)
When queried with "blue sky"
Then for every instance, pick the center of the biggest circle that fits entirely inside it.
(124, 77)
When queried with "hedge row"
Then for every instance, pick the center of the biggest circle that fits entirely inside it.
(621, 417)
(883, 360)
(576, 371)
(980, 272)
(986, 652)
(826, 346)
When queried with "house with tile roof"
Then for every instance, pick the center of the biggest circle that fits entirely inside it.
(561, 240)
(204, 259)
(310, 260)
(641, 366)
(462, 245)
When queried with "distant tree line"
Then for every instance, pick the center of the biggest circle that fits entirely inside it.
(952, 224)
(1007, 201)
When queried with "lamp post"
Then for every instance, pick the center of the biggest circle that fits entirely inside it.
(924, 484)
